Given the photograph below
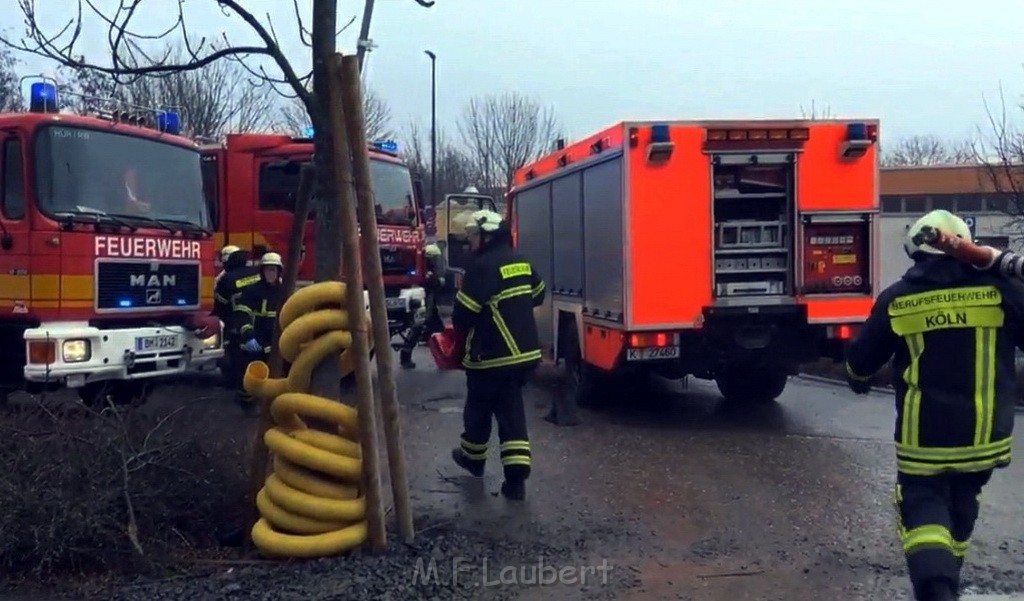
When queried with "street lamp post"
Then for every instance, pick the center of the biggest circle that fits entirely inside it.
(433, 128)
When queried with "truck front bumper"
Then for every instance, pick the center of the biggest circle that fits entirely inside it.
(76, 354)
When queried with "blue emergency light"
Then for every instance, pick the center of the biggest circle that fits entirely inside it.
(857, 131)
(310, 131)
(659, 133)
(43, 97)
(386, 145)
(124, 303)
(168, 122)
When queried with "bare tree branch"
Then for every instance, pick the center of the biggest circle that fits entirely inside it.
(294, 119)
(504, 132)
(816, 114)
(128, 59)
(1000, 151)
(929, 150)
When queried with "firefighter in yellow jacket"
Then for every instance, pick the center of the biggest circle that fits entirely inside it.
(494, 313)
(952, 332)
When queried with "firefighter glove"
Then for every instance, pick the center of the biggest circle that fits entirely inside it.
(252, 346)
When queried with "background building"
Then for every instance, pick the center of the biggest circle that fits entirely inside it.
(968, 191)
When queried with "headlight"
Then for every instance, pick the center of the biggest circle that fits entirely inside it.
(76, 351)
(212, 342)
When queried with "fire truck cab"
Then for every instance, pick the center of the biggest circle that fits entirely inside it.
(251, 181)
(727, 250)
(106, 252)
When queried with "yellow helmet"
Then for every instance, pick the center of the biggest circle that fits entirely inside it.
(484, 221)
(939, 219)
(227, 251)
(271, 259)
(432, 250)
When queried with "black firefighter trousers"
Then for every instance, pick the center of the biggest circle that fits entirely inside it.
(499, 393)
(935, 518)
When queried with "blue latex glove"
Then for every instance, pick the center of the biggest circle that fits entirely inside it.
(252, 346)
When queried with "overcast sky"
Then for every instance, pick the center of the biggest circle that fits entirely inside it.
(920, 66)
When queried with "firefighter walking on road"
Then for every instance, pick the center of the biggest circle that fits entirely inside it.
(235, 277)
(953, 330)
(434, 284)
(256, 310)
(494, 314)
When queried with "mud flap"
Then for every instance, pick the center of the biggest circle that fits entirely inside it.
(564, 411)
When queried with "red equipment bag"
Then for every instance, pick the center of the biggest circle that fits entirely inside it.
(447, 348)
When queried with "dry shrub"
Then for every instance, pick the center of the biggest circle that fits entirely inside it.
(87, 491)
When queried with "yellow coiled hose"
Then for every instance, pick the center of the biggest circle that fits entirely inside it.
(311, 504)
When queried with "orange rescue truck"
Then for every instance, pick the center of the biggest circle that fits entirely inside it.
(107, 260)
(726, 250)
(251, 181)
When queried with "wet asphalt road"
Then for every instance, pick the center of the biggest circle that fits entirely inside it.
(665, 493)
(701, 500)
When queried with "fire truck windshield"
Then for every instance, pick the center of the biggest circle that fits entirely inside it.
(393, 194)
(87, 171)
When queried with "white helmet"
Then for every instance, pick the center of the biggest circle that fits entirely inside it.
(271, 259)
(941, 220)
(432, 250)
(227, 251)
(484, 221)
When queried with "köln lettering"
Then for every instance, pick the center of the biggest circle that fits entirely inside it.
(938, 320)
(152, 281)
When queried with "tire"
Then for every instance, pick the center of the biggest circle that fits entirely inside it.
(582, 380)
(746, 383)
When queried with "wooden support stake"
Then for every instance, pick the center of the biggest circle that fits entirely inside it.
(357, 312)
(260, 453)
(352, 100)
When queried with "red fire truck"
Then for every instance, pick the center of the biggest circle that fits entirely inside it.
(107, 253)
(726, 250)
(251, 181)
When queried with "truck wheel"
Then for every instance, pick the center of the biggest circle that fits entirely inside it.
(582, 382)
(751, 384)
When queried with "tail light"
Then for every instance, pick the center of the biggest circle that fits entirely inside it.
(836, 258)
(653, 339)
(842, 332)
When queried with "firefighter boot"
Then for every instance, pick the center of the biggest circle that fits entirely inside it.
(514, 490)
(473, 467)
(939, 590)
(405, 359)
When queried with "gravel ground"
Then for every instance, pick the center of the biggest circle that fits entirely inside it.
(445, 565)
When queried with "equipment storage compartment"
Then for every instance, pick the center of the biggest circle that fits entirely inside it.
(753, 216)
(836, 254)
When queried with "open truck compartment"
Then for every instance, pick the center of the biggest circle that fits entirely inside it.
(693, 247)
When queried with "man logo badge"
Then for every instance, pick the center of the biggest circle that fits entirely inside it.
(153, 296)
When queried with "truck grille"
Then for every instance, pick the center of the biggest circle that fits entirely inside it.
(144, 285)
(397, 261)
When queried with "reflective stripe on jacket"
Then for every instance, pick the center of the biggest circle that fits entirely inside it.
(952, 332)
(227, 290)
(495, 309)
(256, 310)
